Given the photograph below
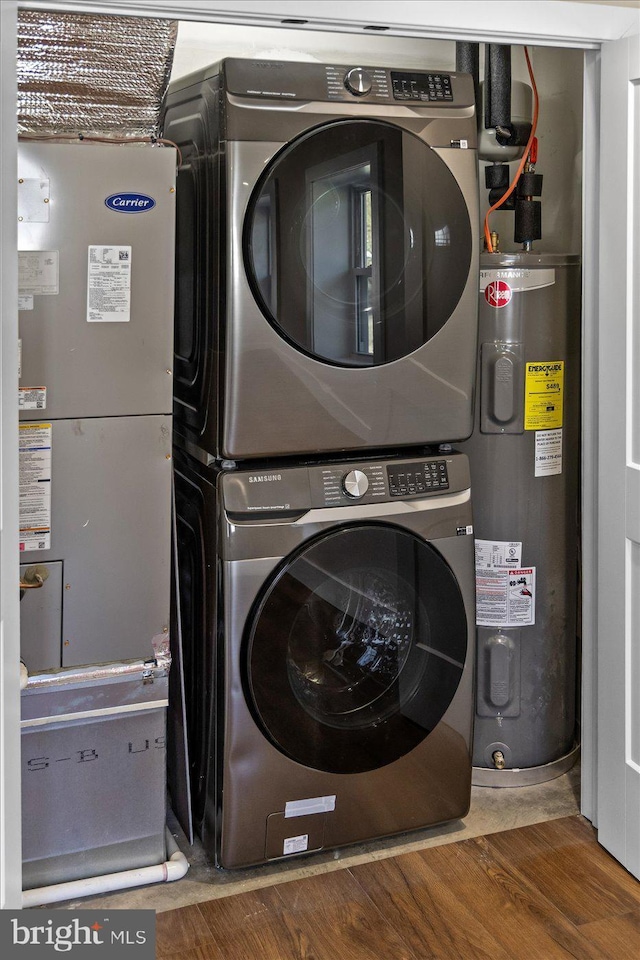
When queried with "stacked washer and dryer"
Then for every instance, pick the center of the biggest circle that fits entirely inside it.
(327, 278)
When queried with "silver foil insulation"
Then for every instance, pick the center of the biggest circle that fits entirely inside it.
(92, 74)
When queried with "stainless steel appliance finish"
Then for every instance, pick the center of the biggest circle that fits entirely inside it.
(524, 459)
(96, 282)
(96, 236)
(107, 595)
(328, 652)
(93, 775)
(326, 258)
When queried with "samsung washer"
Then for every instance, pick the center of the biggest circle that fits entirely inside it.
(327, 257)
(327, 617)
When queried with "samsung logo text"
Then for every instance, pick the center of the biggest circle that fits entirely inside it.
(265, 478)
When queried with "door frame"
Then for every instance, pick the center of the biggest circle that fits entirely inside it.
(481, 20)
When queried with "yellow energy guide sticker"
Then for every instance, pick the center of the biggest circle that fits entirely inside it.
(543, 394)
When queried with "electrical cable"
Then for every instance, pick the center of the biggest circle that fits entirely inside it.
(525, 156)
(97, 139)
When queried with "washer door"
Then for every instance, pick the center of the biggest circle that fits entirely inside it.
(356, 648)
(357, 243)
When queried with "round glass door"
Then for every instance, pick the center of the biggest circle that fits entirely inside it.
(357, 243)
(356, 648)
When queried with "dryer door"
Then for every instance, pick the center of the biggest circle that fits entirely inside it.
(358, 243)
(355, 648)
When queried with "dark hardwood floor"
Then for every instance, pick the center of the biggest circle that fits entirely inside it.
(536, 893)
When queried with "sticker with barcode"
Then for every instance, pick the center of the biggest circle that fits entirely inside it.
(296, 844)
(32, 398)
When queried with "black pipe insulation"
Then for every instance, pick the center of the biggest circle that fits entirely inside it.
(497, 88)
(468, 61)
(528, 221)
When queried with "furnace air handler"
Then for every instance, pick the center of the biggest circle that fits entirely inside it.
(96, 255)
(524, 456)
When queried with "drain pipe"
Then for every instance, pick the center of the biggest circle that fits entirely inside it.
(174, 868)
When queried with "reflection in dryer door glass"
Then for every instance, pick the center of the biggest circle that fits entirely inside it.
(358, 243)
(349, 644)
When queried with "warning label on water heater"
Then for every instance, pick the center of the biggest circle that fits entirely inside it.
(35, 486)
(505, 595)
(543, 394)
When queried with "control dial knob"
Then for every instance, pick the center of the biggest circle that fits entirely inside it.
(358, 82)
(355, 484)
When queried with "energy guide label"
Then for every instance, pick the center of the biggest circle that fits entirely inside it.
(35, 486)
(543, 394)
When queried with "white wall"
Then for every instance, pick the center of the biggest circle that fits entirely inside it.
(558, 77)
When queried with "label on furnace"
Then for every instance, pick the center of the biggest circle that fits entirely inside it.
(32, 398)
(34, 464)
(109, 284)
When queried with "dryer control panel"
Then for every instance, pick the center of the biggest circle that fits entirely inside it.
(286, 80)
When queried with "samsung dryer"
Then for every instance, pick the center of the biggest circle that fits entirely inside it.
(327, 257)
(327, 616)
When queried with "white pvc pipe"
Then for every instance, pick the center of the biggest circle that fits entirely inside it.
(173, 869)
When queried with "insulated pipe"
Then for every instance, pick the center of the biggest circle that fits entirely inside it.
(468, 61)
(497, 80)
(173, 869)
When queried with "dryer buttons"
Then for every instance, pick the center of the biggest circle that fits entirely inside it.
(421, 86)
(410, 479)
(355, 484)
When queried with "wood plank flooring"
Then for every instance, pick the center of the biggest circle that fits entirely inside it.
(540, 892)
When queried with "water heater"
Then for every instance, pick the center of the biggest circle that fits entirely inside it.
(524, 456)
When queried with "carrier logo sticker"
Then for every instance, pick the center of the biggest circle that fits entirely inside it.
(130, 202)
(497, 293)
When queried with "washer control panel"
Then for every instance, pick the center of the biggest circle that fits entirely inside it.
(355, 484)
(289, 490)
(346, 484)
(408, 479)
